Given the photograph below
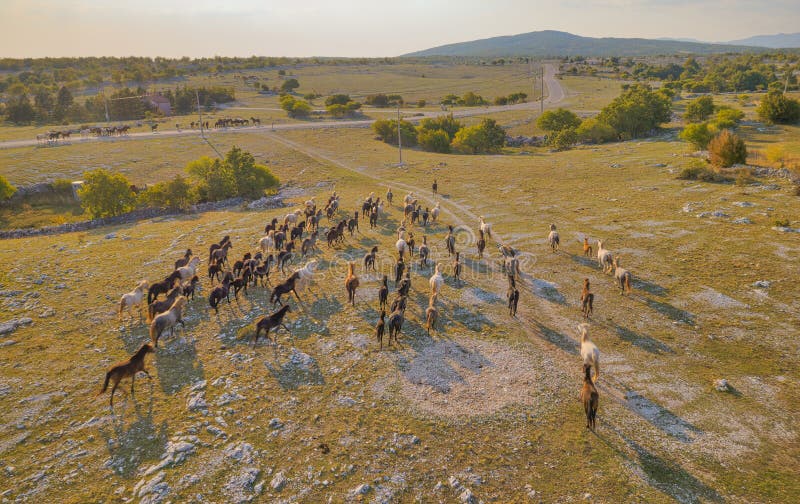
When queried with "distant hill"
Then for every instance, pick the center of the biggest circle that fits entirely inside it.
(557, 43)
(778, 41)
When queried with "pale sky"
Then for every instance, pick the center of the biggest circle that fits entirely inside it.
(175, 28)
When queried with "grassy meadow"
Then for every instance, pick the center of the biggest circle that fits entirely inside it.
(487, 405)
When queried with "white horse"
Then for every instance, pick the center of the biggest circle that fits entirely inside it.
(409, 198)
(622, 276)
(267, 243)
(133, 298)
(589, 352)
(310, 203)
(436, 281)
(188, 271)
(435, 212)
(604, 257)
(305, 275)
(291, 218)
(401, 246)
(486, 228)
(553, 239)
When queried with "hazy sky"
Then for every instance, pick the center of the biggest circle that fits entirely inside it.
(173, 28)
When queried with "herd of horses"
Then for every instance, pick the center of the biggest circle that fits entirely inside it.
(277, 249)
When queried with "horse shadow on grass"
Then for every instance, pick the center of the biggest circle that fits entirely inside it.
(649, 287)
(670, 311)
(558, 339)
(140, 441)
(670, 478)
(661, 418)
(177, 364)
(643, 341)
(545, 290)
(298, 370)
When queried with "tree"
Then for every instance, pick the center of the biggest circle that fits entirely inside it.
(6, 189)
(471, 99)
(64, 101)
(214, 180)
(289, 85)
(563, 139)
(386, 129)
(487, 136)
(106, 194)
(637, 111)
(444, 123)
(593, 131)
(343, 110)
(379, 100)
(557, 120)
(434, 141)
(727, 149)
(727, 118)
(337, 99)
(697, 134)
(699, 109)
(251, 179)
(19, 110)
(295, 107)
(778, 108)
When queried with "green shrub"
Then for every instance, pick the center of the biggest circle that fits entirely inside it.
(557, 120)
(564, 139)
(434, 141)
(782, 222)
(593, 131)
(699, 109)
(778, 108)
(697, 134)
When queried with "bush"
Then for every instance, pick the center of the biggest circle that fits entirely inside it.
(727, 118)
(421, 103)
(487, 136)
(295, 107)
(343, 110)
(106, 194)
(337, 99)
(251, 179)
(744, 176)
(6, 189)
(471, 99)
(699, 109)
(637, 111)
(434, 141)
(699, 171)
(289, 85)
(778, 108)
(444, 123)
(727, 149)
(386, 129)
(557, 120)
(564, 139)
(782, 222)
(237, 175)
(776, 154)
(697, 134)
(593, 131)
(214, 181)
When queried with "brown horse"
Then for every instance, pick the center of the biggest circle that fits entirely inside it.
(590, 398)
(125, 369)
(268, 322)
(587, 298)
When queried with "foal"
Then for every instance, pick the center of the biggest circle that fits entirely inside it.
(553, 238)
(481, 244)
(125, 369)
(380, 328)
(268, 322)
(587, 249)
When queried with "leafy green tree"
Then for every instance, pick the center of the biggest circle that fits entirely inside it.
(471, 99)
(386, 129)
(43, 103)
(379, 100)
(251, 179)
(637, 111)
(19, 110)
(593, 131)
(6, 189)
(214, 180)
(699, 109)
(563, 139)
(106, 194)
(444, 123)
(778, 108)
(337, 99)
(343, 110)
(295, 107)
(421, 103)
(450, 99)
(727, 149)
(697, 134)
(64, 101)
(487, 136)
(557, 120)
(434, 141)
(727, 118)
(289, 85)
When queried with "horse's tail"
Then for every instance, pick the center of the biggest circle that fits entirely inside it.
(628, 283)
(596, 369)
(153, 331)
(105, 383)
(121, 305)
(590, 299)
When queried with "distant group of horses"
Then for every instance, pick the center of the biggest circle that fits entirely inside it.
(226, 122)
(52, 137)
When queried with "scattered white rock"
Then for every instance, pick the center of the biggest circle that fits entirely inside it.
(240, 487)
(722, 385)
(278, 481)
(110, 236)
(197, 402)
(13, 324)
(228, 397)
(742, 220)
(468, 497)
(362, 489)
(587, 496)
(743, 204)
(242, 452)
(275, 423)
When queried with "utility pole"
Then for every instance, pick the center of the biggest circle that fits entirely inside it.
(541, 109)
(399, 137)
(199, 111)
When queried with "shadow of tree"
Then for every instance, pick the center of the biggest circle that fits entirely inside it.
(642, 341)
(138, 442)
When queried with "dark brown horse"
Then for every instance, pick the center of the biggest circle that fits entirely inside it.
(125, 369)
